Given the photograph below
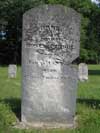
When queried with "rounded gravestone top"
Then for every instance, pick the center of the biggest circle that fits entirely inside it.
(54, 31)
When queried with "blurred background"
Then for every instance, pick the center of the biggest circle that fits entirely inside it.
(11, 13)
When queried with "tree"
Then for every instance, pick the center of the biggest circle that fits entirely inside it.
(11, 12)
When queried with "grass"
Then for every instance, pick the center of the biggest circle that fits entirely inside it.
(88, 104)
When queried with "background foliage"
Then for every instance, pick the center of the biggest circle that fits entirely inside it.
(11, 12)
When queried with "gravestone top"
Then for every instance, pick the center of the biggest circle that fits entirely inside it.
(83, 72)
(54, 32)
(50, 43)
(12, 70)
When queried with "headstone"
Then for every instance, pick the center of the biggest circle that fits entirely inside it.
(83, 72)
(12, 71)
(51, 37)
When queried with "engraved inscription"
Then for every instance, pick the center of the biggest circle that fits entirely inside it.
(51, 40)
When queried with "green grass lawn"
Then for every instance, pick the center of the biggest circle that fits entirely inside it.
(88, 104)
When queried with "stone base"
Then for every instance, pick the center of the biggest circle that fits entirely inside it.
(42, 125)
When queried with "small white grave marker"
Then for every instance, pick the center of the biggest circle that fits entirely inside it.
(83, 72)
(12, 70)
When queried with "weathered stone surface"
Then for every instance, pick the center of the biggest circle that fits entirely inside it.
(12, 71)
(50, 44)
(83, 72)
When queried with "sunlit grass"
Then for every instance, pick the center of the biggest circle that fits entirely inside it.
(88, 104)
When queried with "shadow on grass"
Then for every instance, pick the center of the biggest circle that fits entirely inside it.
(14, 104)
(94, 72)
(93, 103)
